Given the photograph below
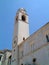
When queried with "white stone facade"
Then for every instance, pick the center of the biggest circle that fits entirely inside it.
(27, 50)
(21, 32)
(35, 46)
(5, 57)
(33, 49)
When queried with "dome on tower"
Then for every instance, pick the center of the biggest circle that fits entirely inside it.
(21, 10)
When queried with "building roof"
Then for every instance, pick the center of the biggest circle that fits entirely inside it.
(34, 33)
(5, 50)
(1, 51)
(22, 10)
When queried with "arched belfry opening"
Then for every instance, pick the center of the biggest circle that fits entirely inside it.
(23, 18)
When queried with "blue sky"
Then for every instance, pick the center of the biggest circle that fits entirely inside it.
(38, 11)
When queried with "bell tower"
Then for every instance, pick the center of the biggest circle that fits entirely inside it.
(21, 32)
(21, 29)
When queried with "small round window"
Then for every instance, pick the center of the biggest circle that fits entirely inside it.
(23, 17)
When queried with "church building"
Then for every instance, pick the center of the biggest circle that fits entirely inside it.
(5, 57)
(29, 49)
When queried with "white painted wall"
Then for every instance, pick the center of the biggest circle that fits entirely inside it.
(21, 29)
(36, 46)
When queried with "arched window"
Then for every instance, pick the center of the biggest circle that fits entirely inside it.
(23, 38)
(34, 60)
(47, 37)
(22, 64)
(0, 57)
(23, 18)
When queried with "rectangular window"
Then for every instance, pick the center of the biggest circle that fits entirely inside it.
(47, 37)
(32, 47)
(21, 54)
(0, 58)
